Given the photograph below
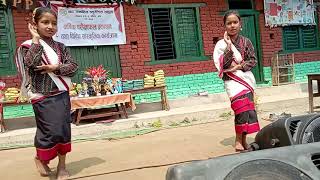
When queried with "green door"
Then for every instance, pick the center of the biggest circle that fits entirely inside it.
(7, 43)
(88, 56)
(249, 30)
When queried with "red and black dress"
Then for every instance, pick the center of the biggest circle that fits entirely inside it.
(52, 108)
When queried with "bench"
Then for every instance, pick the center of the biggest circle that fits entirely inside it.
(311, 94)
(161, 89)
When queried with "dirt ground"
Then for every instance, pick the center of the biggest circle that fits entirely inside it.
(145, 157)
(154, 149)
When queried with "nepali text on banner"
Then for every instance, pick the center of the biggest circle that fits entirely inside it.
(91, 26)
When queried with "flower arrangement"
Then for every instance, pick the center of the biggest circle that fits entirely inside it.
(95, 78)
(97, 82)
(97, 72)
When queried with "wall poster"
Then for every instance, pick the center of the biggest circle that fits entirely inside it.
(289, 12)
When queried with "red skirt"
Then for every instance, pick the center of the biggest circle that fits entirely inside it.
(53, 135)
(246, 120)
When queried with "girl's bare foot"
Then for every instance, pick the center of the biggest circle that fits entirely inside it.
(62, 174)
(238, 146)
(43, 169)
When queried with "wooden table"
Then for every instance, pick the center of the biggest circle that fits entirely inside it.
(91, 103)
(161, 89)
(312, 77)
(80, 104)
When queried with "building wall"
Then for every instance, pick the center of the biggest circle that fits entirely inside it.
(186, 78)
(134, 58)
(183, 78)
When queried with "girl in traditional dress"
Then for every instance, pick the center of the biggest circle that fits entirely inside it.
(45, 67)
(234, 58)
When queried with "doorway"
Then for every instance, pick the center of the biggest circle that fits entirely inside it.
(250, 29)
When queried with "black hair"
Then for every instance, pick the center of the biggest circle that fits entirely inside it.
(231, 12)
(38, 13)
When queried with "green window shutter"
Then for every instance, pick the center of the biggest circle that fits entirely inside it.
(291, 37)
(309, 38)
(187, 32)
(7, 66)
(4, 46)
(162, 33)
(174, 32)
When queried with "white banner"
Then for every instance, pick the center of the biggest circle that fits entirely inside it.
(91, 26)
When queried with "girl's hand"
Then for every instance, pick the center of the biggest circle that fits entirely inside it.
(233, 63)
(47, 68)
(233, 68)
(34, 33)
(227, 39)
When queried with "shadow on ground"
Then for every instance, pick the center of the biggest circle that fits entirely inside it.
(77, 166)
(230, 141)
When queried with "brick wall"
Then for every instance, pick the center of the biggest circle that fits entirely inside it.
(11, 81)
(20, 22)
(187, 78)
(134, 58)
